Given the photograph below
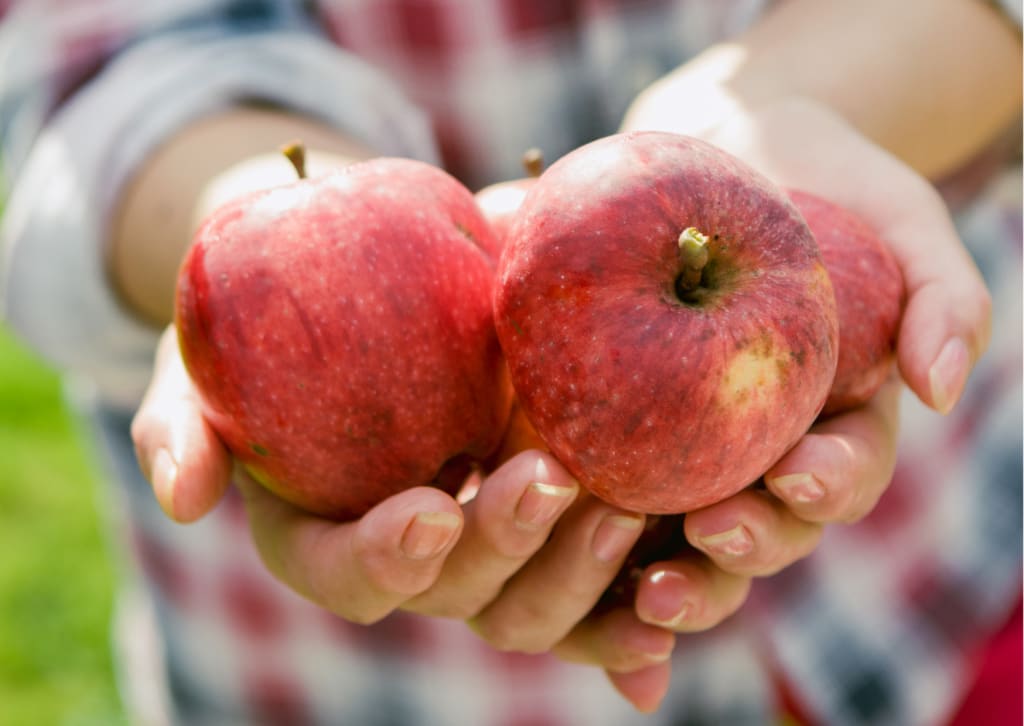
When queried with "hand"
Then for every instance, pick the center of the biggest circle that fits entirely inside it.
(838, 471)
(524, 560)
(802, 144)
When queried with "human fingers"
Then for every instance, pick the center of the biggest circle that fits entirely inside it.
(946, 323)
(838, 471)
(360, 570)
(563, 581)
(616, 640)
(177, 450)
(752, 534)
(644, 688)
(507, 521)
(689, 594)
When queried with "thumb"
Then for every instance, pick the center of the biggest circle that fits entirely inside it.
(948, 316)
(947, 319)
(177, 450)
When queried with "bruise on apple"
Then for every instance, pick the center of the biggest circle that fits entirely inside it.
(660, 389)
(755, 369)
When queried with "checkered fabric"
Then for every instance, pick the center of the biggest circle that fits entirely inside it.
(884, 624)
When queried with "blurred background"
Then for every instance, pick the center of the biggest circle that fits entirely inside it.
(56, 574)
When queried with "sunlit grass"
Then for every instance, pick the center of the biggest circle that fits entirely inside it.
(56, 578)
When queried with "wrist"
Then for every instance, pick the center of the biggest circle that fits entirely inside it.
(203, 166)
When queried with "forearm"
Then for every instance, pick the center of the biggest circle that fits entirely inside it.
(199, 168)
(932, 81)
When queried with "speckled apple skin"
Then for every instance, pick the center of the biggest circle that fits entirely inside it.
(870, 296)
(340, 334)
(656, 405)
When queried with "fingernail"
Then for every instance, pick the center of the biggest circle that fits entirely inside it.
(656, 647)
(429, 534)
(165, 475)
(541, 503)
(948, 374)
(615, 536)
(667, 603)
(801, 488)
(657, 657)
(734, 542)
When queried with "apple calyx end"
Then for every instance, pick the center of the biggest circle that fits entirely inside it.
(295, 152)
(693, 257)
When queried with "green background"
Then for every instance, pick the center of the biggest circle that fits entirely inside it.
(56, 570)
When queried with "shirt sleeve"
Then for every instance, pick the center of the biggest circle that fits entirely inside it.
(54, 285)
(1012, 10)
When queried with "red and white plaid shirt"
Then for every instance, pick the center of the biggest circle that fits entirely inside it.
(883, 624)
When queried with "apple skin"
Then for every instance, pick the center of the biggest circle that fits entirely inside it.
(500, 203)
(870, 297)
(658, 405)
(340, 335)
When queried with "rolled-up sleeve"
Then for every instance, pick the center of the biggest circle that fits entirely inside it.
(55, 288)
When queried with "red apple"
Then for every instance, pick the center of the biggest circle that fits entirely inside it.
(668, 323)
(501, 201)
(339, 332)
(869, 294)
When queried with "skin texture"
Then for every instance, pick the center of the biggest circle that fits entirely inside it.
(356, 308)
(932, 82)
(658, 404)
(869, 292)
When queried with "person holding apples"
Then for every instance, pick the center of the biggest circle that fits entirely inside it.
(841, 594)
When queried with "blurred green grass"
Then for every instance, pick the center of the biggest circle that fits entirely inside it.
(56, 574)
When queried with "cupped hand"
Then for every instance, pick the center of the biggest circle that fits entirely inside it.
(802, 144)
(523, 561)
(838, 471)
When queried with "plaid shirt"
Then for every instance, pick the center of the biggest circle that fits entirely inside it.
(881, 625)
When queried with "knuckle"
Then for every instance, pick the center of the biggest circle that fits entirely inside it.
(513, 546)
(138, 427)
(462, 610)
(141, 426)
(510, 636)
(459, 610)
(497, 634)
(401, 581)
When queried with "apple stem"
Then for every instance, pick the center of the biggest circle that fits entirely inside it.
(295, 152)
(533, 162)
(693, 254)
